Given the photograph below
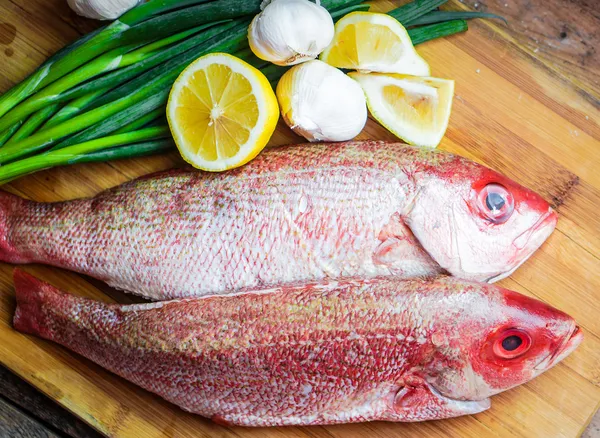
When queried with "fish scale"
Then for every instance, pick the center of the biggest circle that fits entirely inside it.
(325, 353)
(299, 213)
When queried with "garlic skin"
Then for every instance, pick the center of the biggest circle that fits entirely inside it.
(102, 9)
(288, 32)
(321, 103)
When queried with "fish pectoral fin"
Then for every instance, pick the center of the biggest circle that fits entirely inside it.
(404, 256)
(419, 401)
(401, 252)
(387, 252)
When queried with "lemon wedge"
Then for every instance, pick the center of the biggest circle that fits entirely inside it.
(222, 112)
(415, 109)
(374, 42)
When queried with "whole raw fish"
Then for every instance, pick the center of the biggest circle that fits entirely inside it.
(348, 351)
(294, 214)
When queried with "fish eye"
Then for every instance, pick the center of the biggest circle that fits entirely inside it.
(511, 344)
(496, 203)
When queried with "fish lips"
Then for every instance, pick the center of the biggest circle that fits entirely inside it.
(539, 232)
(569, 344)
(532, 239)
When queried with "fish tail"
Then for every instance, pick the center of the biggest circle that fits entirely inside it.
(35, 301)
(8, 205)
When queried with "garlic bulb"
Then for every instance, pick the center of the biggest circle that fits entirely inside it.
(320, 102)
(102, 9)
(289, 32)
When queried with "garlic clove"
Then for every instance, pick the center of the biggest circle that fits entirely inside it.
(102, 9)
(289, 32)
(321, 103)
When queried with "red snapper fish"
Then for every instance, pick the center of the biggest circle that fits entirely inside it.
(332, 352)
(295, 214)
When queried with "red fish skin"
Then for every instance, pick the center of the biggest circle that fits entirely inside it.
(325, 353)
(294, 214)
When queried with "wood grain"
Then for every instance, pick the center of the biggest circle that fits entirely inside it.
(562, 34)
(15, 424)
(39, 407)
(528, 109)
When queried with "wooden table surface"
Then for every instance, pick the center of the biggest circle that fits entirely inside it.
(527, 104)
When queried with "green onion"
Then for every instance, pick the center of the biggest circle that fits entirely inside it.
(142, 121)
(129, 151)
(441, 16)
(51, 93)
(134, 92)
(66, 155)
(54, 69)
(33, 123)
(339, 13)
(11, 97)
(126, 116)
(422, 34)
(112, 60)
(73, 108)
(214, 39)
(155, 7)
(6, 135)
(118, 77)
(85, 49)
(156, 101)
(413, 10)
(121, 32)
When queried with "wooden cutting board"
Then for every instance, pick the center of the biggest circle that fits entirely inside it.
(514, 110)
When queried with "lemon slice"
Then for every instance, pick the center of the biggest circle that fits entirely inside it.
(369, 41)
(415, 109)
(222, 112)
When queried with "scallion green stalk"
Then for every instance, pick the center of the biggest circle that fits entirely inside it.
(232, 35)
(33, 123)
(6, 135)
(152, 8)
(66, 155)
(86, 48)
(128, 115)
(441, 16)
(141, 24)
(411, 11)
(112, 60)
(155, 102)
(339, 13)
(142, 121)
(123, 75)
(73, 108)
(54, 69)
(128, 151)
(422, 34)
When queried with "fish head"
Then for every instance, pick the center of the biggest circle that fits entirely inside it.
(474, 222)
(495, 340)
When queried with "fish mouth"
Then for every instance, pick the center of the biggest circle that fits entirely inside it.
(569, 344)
(539, 232)
(531, 240)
